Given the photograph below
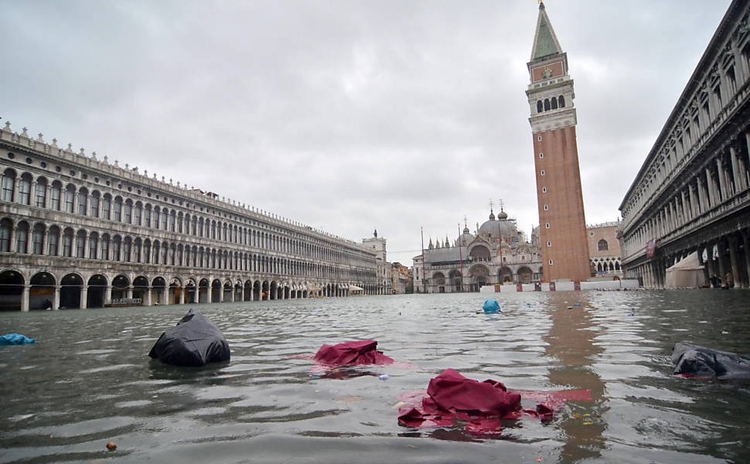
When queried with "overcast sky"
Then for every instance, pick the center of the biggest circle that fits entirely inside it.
(350, 115)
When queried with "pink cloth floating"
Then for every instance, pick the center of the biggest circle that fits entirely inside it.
(351, 354)
(481, 406)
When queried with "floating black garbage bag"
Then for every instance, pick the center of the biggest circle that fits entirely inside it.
(701, 362)
(194, 341)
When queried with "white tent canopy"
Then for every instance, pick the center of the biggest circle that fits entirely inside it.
(354, 288)
(687, 273)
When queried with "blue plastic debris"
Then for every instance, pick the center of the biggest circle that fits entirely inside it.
(491, 307)
(16, 339)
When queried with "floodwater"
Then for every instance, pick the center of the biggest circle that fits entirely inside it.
(88, 381)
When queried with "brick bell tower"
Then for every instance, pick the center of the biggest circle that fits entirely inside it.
(562, 224)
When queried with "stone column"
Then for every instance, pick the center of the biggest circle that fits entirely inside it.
(721, 173)
(84, 295)
(108, 294)
(733, 263)
(25, 298)
(147, 296)
(56, 298)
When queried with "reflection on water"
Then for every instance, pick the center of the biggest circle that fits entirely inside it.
(88, 380)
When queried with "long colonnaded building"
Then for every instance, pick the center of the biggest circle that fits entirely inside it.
(81, 232)
(692, 193)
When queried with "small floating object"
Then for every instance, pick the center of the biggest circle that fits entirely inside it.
(570, 307)
(384, 377)
(16, 339)
(576, 304)
(491, 307)
(111, 446)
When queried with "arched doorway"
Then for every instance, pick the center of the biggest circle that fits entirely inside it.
(42, 291)
(97, 291)
(11, 291)
(70, 291)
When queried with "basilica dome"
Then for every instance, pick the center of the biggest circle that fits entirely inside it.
(465, 238)
(500, 227)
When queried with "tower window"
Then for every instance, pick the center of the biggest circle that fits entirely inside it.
(542, 172)
(541, 155)
(561, 101)
(550, 262)
(554, 103)
(546, 226)
(544, 189)
(539, 106)
(546, 104)
(549, 244)
(546, 207)
(539, 138)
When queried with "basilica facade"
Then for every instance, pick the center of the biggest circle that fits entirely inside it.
(496, 253)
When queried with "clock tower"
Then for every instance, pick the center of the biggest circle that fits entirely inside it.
(562, 223)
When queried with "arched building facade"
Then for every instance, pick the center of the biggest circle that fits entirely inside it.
(692, 194)
(79, 232)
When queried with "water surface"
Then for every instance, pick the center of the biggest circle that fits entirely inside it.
(88, 380)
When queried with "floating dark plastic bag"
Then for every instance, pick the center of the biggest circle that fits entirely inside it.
(194, 341)
(701, 362)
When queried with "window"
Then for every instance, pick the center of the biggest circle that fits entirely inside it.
(128, 212)
(539, 107)
(5, 228)
(24, 190)
(546, 104)
(55, 196)
(54, 241)
(9, 184)
(549, 244)
(37, 240)
(137, 214)
(157, 217)
(83, 197)
(546, 207)
(41, 194)
(105, 247)
(70, 195)
(94, 205)
(117, 210)
(546, 226)
(550, 262)
(93, 246)
(106, 206)
(542, 172)
(67, 244)
(81, 244)
(147, 216)
(561, 101)
(544, 189)
(116, 247)
(22, 237)
(603, 245)
(541, 155)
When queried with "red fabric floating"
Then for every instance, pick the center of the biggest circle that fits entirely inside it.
(481, 406)
(354, 353)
